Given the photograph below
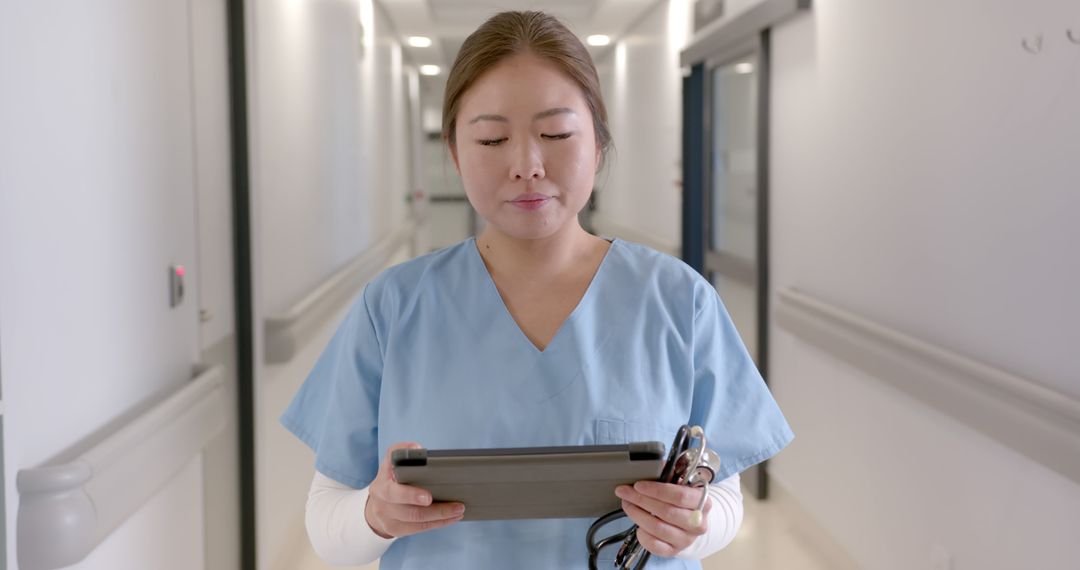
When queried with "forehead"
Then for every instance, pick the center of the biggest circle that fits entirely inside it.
(523, 84)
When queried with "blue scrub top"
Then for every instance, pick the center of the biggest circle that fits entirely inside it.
(429, 353)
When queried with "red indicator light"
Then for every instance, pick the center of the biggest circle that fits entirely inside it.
(179, 270)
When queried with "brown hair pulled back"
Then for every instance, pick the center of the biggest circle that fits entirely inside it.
(512, 33)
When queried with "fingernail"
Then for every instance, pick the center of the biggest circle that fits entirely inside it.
(459, 509)
(422, 499)
(620, 492)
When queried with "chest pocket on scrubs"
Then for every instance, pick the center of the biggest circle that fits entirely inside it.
(612, 431)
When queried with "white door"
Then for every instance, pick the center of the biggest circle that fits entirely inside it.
(98, 179)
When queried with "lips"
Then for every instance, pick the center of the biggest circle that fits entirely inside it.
(532, 197)
(530, 201)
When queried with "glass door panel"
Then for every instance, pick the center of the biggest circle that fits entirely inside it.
(733, 237)
(732, 200)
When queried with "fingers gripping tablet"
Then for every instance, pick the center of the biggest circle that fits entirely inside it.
(530, 482)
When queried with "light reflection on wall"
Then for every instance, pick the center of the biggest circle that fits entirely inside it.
(367, 21)
(680, 24)
(617, 106)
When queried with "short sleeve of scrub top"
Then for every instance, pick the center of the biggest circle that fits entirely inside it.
(430, 353)
(336, 411)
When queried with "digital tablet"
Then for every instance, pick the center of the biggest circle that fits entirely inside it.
(530, 482)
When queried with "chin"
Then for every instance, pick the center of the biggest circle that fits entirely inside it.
(528, 231)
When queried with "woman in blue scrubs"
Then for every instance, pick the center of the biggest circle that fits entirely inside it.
(534, 333)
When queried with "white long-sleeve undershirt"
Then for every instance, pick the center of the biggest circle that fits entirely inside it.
(340, 535)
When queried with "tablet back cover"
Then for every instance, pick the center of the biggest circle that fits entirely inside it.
(526, 483)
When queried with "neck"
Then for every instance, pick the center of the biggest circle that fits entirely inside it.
(507, 255)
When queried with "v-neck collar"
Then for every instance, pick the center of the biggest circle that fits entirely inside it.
(475, 253)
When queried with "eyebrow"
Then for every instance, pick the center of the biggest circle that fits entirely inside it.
(536, 117)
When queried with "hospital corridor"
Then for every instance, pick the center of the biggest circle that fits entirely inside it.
(389, 284)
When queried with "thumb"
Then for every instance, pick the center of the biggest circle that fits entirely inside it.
(387, 466)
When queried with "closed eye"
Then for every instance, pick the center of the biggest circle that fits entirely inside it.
(557, 137)
(491, 142)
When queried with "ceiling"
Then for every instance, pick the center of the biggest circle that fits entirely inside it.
(449, 22)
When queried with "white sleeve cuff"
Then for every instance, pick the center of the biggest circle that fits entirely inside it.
(336, 525)
(724, 519)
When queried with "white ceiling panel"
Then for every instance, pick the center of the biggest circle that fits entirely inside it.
(474, 14)
(448, 22)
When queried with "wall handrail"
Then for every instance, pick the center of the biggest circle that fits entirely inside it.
(1030, 417)
(68, 507)
(286, 332)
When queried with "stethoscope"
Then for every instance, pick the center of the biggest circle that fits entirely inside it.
(685, 465)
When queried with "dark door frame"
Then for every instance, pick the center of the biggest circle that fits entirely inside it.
(245, 326)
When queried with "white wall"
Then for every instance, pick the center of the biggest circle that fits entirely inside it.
(924, 174)
(330, 155)
(97, 199)
(331, 167)
(640, 195)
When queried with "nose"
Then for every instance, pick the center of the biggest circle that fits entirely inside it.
(528, 163)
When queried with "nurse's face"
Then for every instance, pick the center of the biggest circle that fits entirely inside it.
(526, 148)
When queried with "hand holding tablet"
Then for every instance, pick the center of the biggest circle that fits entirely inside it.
(395, 510)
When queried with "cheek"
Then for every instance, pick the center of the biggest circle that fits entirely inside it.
(573, 163)
(480, 178)
(478, 167)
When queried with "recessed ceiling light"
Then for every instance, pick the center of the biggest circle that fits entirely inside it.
(744, 67)
(430, 70)
(598, 40)
(419, 41)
